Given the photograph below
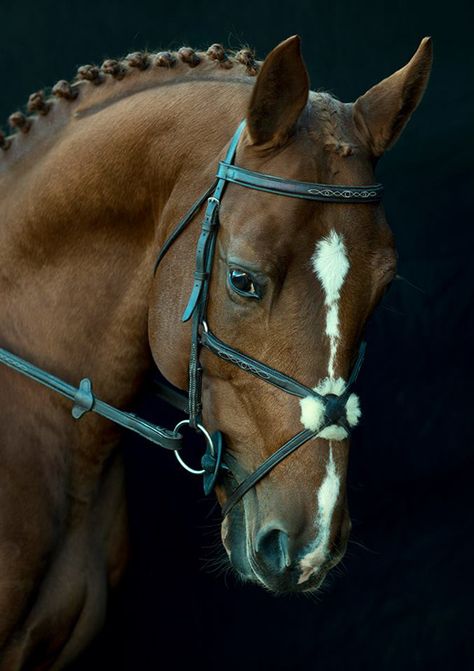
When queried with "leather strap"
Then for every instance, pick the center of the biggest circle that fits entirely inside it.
(181, 225)
(201, 274)
(196, 206)
(265, 467)
(197, 303)
(329, 193)
(334, 406)
(355, 371)
(85, 401)
(167, 392)
(257, 368)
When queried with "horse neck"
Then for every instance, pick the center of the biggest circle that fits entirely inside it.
(83, 222)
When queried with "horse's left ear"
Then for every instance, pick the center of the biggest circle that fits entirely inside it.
(280, 94)
(382, 113)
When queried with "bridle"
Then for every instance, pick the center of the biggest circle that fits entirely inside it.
(213, 461)
(201, 336)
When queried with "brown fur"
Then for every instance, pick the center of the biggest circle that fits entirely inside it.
(88, 197)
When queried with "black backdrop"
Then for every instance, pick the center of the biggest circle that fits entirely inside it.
(403, 597)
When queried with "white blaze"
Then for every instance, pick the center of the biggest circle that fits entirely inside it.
(327, 498)
(331, 265)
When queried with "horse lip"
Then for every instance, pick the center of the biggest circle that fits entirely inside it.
(287, 583)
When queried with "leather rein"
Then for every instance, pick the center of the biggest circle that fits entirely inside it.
(213, 461)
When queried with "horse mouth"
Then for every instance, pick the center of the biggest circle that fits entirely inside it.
(294, 578)
(289, 582)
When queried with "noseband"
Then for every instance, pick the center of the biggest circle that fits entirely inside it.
(213, 461)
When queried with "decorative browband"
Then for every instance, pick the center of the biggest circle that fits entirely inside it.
(330, 193)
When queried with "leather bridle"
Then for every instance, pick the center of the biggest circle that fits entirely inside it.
(213, 461)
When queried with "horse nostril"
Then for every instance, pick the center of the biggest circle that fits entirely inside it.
(271, 549)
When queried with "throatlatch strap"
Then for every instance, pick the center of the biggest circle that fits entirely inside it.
(181, 225)
(216, 189)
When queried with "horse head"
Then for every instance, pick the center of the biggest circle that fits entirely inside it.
(293, 283)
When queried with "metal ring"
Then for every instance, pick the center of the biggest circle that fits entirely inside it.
(207, 436)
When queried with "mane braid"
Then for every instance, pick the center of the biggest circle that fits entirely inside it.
(333, 135)
(39, 104)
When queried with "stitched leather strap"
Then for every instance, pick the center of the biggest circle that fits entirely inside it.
(265, 467)
(85, 401)
(329, 193)
(257, 368)
(334, 406)
(181, 225)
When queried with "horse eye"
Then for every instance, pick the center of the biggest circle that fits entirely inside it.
(243, 284)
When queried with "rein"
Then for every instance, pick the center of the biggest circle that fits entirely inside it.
(213, 461)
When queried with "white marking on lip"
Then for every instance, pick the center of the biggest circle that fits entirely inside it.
(328, 494)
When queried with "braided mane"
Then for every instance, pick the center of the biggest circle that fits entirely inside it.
(88, 77)
(142, 70)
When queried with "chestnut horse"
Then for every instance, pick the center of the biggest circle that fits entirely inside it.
(92, 182)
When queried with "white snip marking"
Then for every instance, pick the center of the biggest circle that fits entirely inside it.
(327, 498)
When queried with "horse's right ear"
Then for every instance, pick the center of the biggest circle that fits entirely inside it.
(382, 113)
(279, 96)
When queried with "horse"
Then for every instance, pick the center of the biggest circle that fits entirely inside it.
(93, 180)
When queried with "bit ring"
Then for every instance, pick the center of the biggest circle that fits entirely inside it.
(208, 438)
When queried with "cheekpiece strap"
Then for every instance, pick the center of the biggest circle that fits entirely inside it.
(208, 231)
(197, 303)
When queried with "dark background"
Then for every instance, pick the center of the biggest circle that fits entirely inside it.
(403, 595)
